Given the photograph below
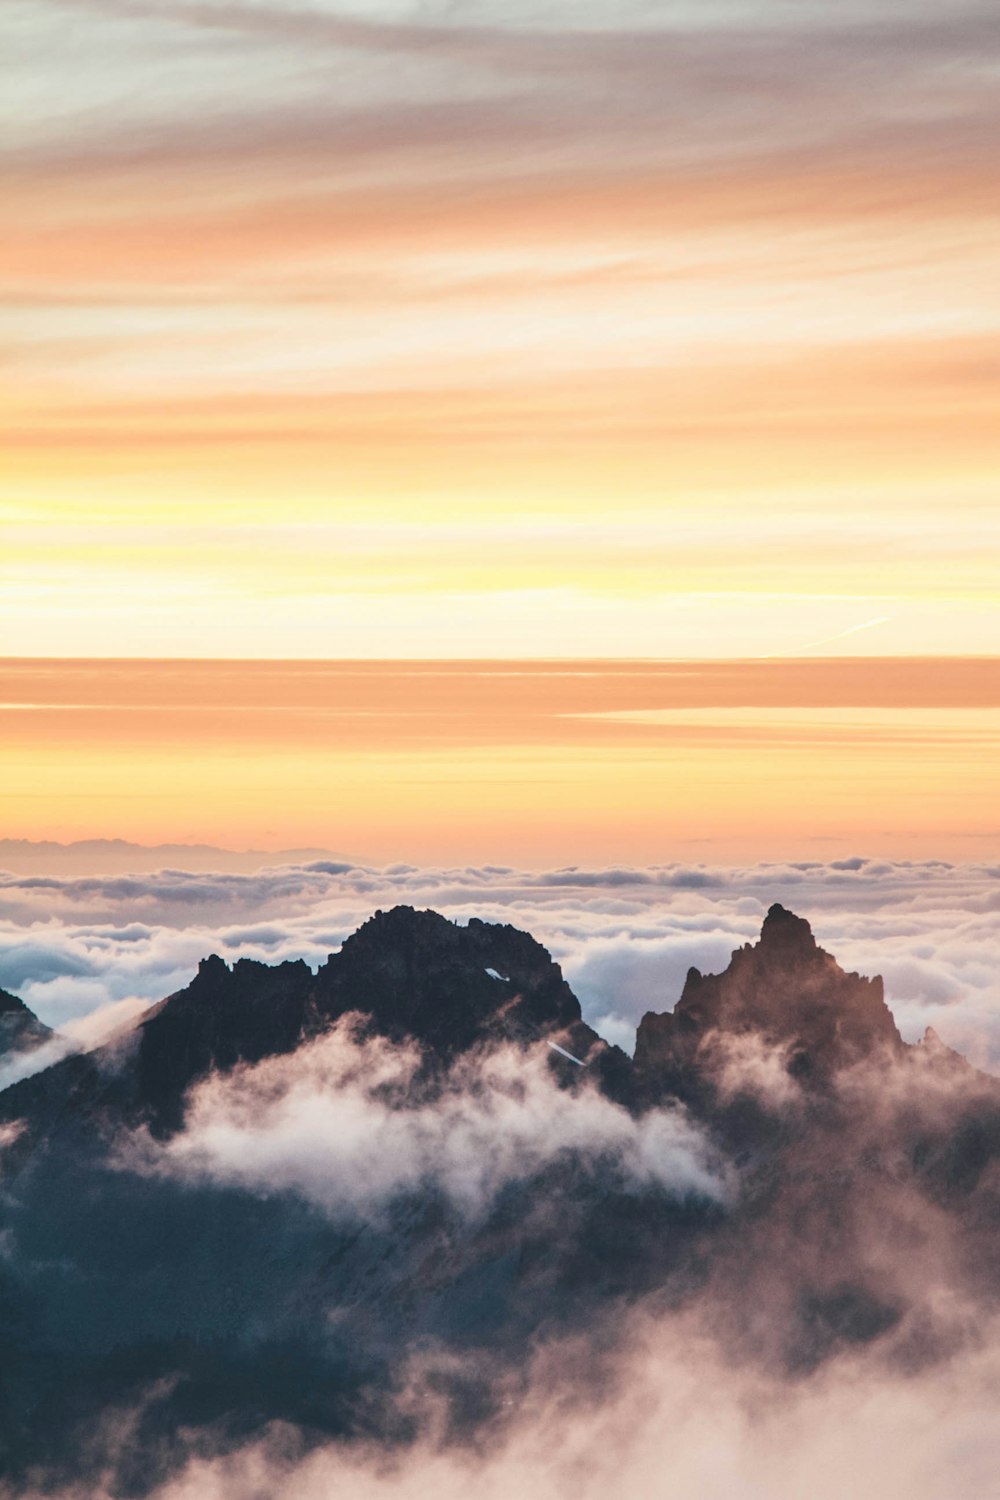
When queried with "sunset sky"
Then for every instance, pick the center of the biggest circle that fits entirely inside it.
(500, 524)
(479, 329)
(500, 329)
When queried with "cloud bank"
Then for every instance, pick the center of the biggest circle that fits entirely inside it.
(328, 1122)
(671, 1419)
(71, 947)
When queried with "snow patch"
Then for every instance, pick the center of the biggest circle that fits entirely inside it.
(563, 1053)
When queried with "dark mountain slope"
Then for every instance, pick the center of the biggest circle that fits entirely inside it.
(859, 1198)
(20, 1028)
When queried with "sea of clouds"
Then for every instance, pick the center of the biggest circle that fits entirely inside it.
(673, 1411)
(88, 953)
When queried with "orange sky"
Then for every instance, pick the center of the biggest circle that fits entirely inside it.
(489, 330)
(494, 330)
(527, 763)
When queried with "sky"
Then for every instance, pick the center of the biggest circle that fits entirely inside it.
(534, 459)
(499, 330)
(525, 763)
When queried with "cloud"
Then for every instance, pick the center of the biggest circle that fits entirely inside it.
(348, 142)
(624, 936)
(671, 1417)
(333, 1122)
(686, 87)
(80, 1033)
(743, 1064)
(832, 1288)
(18, 1065)
(678, 1423)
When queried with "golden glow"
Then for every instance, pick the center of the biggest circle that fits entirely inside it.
(519, 762)
(605, 333)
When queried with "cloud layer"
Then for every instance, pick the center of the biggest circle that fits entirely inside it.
(672, 1418)
(678, 1422)
(327, 1122)
(625, 936)
(722, 1342)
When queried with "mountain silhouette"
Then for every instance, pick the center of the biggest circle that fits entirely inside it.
(258, 1203)
(412, 975)
(20, 1028)
(785, 991)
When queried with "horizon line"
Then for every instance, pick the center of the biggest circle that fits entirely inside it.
(770, 658)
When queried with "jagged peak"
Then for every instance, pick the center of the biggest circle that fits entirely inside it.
(419, 935)
(402, 920)
(784, 988)
(933, 1047)
(410, 973)
(212, 967)
(400, 929)
(784, 932)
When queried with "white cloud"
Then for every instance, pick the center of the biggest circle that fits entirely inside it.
(328, 1122)
(625, 937)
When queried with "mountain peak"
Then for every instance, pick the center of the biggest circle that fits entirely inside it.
(416, 974)
(786, 934)
(411, 976)
(401, 919)
(20, 1028)
(786, 991)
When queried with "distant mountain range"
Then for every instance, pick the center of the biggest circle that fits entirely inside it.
(257, 1204)
(119, 856)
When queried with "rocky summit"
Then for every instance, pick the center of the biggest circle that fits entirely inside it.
(282, 1187)
(785, 991)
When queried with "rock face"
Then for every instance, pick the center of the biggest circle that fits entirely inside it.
(420, 976)
(20, 1028)
(785, 991)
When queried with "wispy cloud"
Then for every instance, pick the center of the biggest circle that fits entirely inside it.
(481, 258)
(326, 1123)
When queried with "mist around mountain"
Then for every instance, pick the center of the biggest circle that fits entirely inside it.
(408, 1224)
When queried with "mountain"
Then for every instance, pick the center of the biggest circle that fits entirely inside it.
(20, 1028)
(412, 975)
(121, 857)
(283, 1191)
(784, 992)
